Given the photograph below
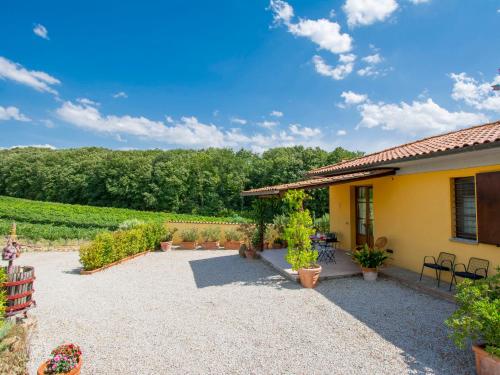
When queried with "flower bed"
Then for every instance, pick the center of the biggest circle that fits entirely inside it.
(112, 247)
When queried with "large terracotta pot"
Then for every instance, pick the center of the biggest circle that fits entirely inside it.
(309, 276)
(210, 245)
(232, 245)
(166, 246)
(486, 363)
(75, 371)
(188, 245)
(369, 274)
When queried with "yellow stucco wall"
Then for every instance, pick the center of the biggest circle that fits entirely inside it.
(414, 212)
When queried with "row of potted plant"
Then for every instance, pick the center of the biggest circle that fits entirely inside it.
(210, 236)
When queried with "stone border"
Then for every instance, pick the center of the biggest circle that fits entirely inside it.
(83, 272)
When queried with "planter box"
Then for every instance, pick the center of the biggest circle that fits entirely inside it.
(189, 245)
(90, 272)
(486, 364)
(232, 245)
(210, 245)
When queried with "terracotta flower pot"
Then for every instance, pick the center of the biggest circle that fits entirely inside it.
(232, 245)
(486, 363)
(166, 246)
(74, 371)
(309, 276)
(210, 245)
(369, 274)
(250, 253)
(188, 245)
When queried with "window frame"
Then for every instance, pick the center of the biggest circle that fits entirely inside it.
(462, 220)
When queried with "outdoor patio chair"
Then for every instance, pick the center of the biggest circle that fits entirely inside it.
(327, 249)
(475, 270)
(444, 262)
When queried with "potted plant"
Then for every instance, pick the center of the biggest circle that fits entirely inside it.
(188, 238)
(211, 237)
(270, 236)
(477, 319)
(301, 255)
(279, 223)
(65, 359)
(166, 244)
(255, 239)
(233, 239)
(370, 260)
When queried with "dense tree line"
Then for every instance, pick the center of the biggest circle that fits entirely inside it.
(206, 182)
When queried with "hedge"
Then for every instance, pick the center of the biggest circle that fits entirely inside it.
(109, 247)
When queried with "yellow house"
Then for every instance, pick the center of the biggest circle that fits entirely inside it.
(436, 194)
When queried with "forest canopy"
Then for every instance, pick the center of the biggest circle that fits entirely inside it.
(204, 182)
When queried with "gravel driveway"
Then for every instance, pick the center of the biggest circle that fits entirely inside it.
(212, 312)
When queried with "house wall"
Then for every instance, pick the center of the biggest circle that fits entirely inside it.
(414, 211)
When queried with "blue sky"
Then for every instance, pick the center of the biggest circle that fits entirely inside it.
(362, 74)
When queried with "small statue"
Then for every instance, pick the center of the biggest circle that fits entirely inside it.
(12, 250)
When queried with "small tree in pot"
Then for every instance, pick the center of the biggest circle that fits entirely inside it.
(233, 239)
(370, 260)
(166, 243)
(211, 237)
(189, 237)
(477, 319)
(301, 255)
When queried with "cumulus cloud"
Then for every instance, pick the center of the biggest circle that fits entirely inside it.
(120, 94)
(305, 132)
(416, 2)
(341, 132)
(367, 12)
(276, 113)
(46, 145)
(237, 120)
(323, 32)
(417, 118)
(41, 31)
(352, 98)
(12, 113)
(372, 59)
(338, 72)
(38, 80)
(476, 94)
(268, 124)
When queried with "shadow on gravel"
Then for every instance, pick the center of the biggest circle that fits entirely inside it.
(74, 271)
(230, 269)
(409, 320)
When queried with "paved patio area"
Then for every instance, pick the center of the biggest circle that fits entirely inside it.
(344, 266)
(213, 312)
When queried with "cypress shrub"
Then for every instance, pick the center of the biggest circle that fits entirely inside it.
(109, 247)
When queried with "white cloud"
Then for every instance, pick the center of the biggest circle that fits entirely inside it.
(351, 97)
(276, 113)
(339, 72)
(417, 118)
(416, 2)
(367, 12)
(41, 31)
(341, 132)
(120, 94)
(86, 101)
(323, 32)
(169, 119)
(372, 59)
(12, 113)
(237, 120)
(305, 132)
(268, 124)
(282, 11)
(479, 95)
(34, 146)
(40, 81)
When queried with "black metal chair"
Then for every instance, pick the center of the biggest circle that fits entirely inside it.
(476, 269)
(444, 262)
(327, 249)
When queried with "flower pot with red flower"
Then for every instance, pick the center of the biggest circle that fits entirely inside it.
(65, 359)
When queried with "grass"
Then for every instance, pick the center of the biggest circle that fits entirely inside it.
(37, 220)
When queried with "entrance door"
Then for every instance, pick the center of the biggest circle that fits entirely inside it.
(364, 215)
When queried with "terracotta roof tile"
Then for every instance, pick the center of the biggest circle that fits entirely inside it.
(432, 146)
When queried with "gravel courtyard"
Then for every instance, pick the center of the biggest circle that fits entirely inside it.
(212, 312)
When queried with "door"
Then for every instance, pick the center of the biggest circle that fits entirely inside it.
(364, 215)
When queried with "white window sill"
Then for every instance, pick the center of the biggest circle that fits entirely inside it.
(464, 240)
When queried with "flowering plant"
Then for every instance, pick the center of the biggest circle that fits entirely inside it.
(63, 359)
